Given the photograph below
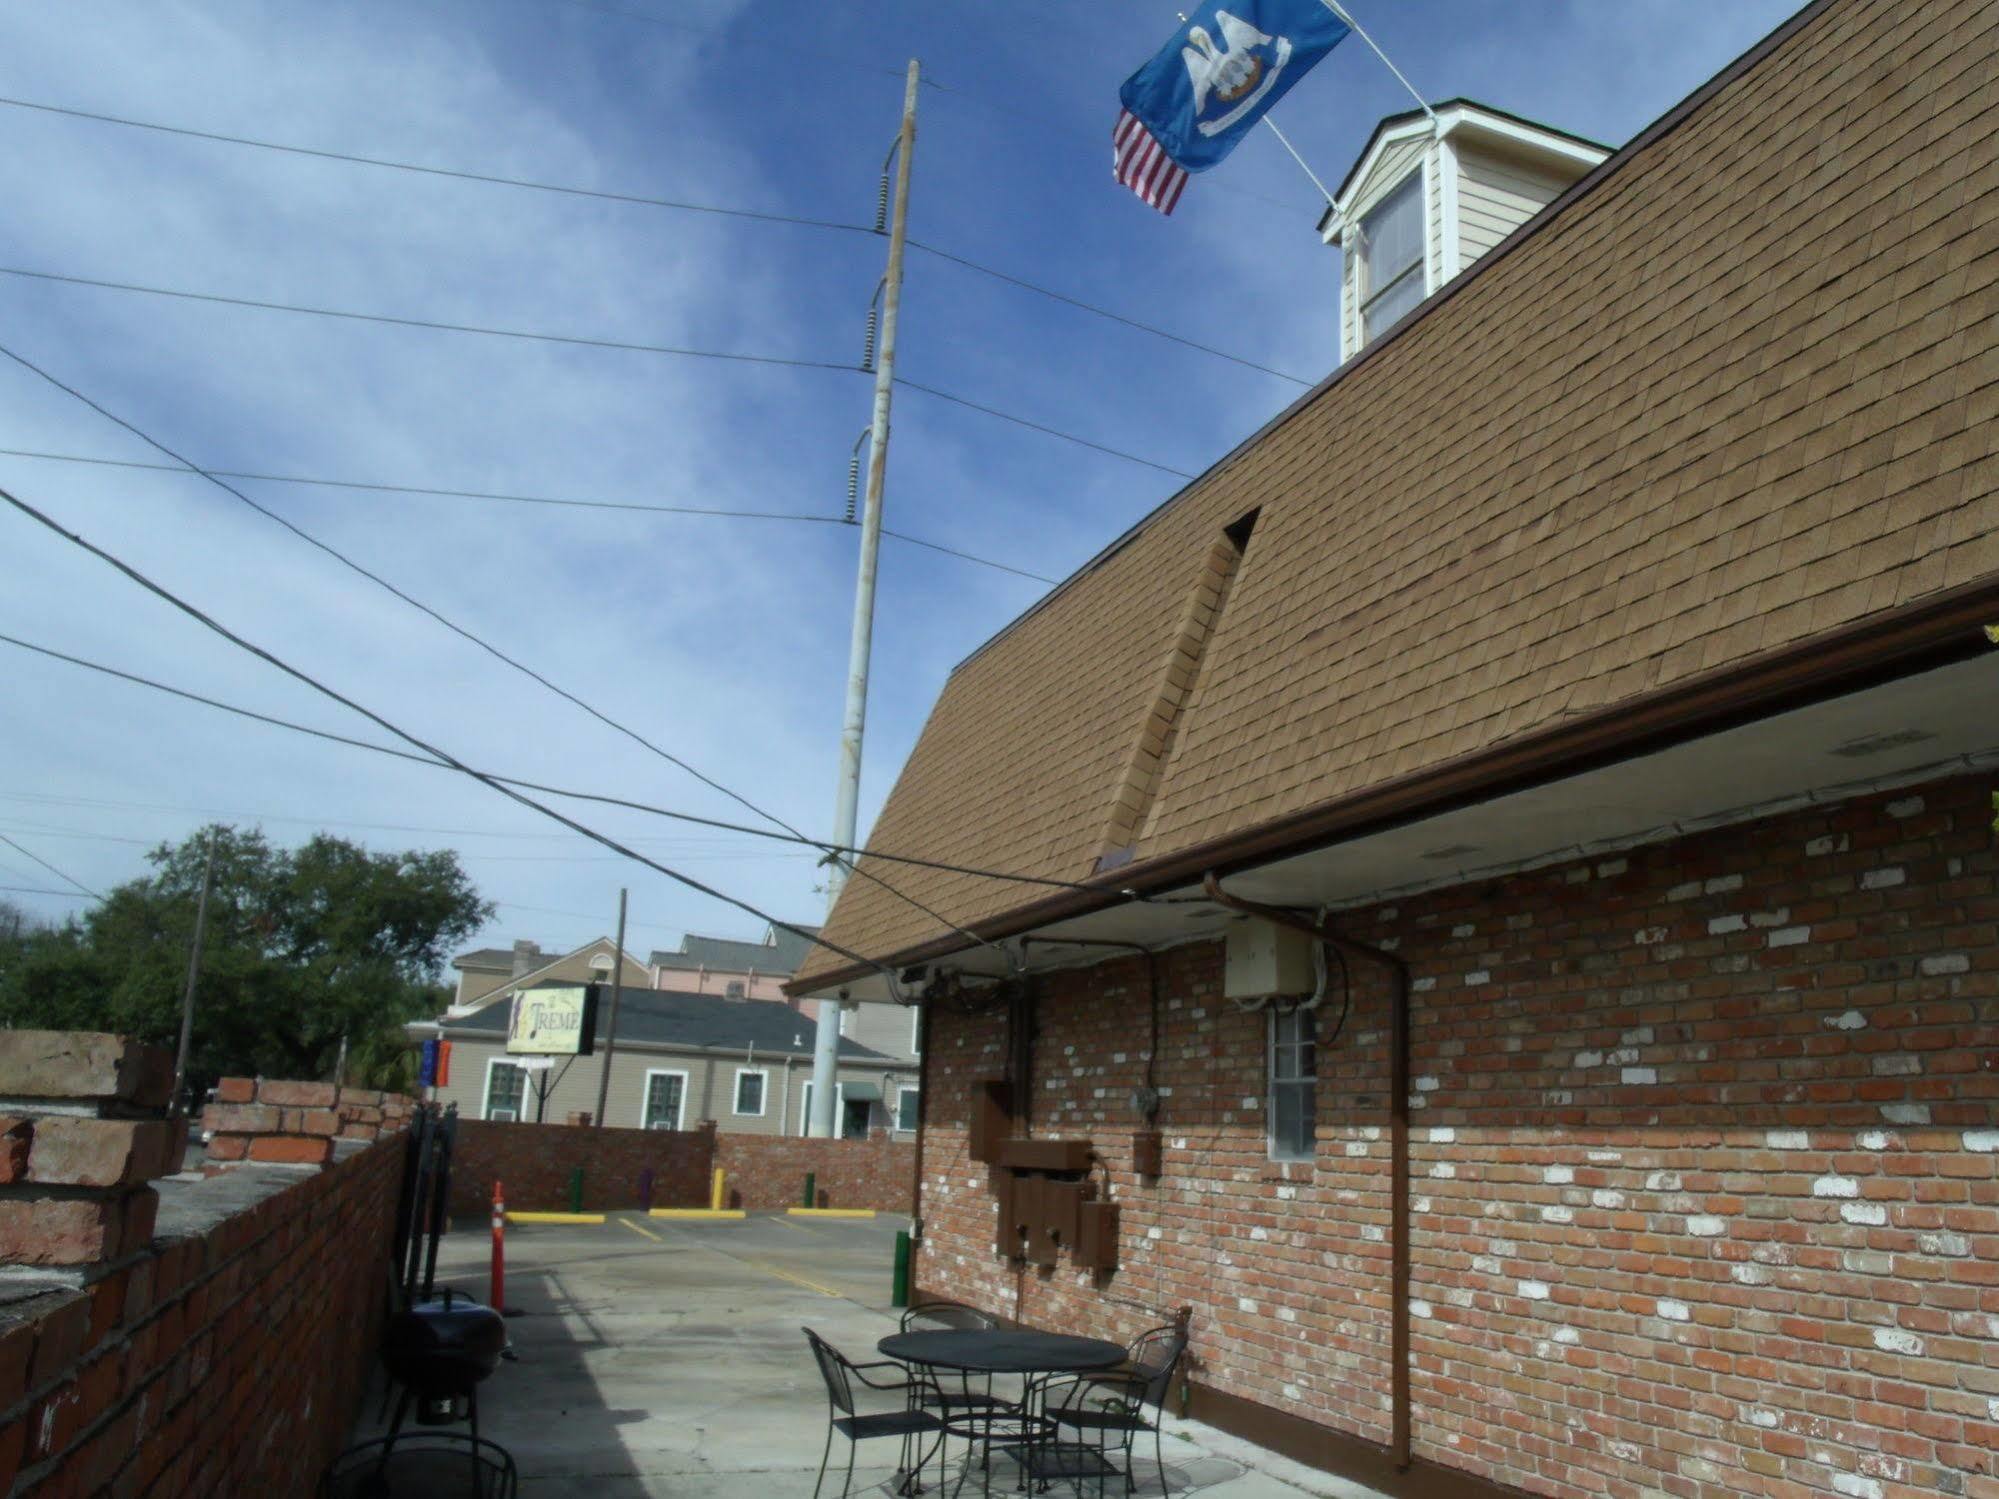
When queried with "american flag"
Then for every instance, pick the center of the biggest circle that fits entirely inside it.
(1141, 164)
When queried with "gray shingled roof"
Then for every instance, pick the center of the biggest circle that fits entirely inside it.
(485, 957)
(664, 1017)
(780, 956)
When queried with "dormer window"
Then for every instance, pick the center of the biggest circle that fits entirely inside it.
(1391, 258)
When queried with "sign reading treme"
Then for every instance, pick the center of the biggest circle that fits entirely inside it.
(556, 1021)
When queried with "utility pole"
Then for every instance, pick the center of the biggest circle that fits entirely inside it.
(193, 969)
(611, 1022)
(826, 1045)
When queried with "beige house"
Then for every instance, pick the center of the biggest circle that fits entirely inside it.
(680, 1058)
(489, 974)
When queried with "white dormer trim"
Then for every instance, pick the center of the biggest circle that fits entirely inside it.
(1451, 254)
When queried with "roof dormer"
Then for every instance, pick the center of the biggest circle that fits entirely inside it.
(1430, 195)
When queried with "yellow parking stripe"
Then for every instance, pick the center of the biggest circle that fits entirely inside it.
(699, 1215)
(830, 1212)
(638, 1228)
(796, 1280)
(555, 1217)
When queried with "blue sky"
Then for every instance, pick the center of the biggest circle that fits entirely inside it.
(723, 640)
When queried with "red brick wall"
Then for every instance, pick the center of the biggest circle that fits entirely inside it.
(264, 1119)
(1702, 1167)
(768, 1171)
(534, 1162)
(226, 1363)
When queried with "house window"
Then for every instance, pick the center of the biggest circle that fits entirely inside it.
(665, 1093)
(908, 1105)
(1391, 257)
(735, 990)
(1294, 1078)
(506, 1090)
(750, 1090)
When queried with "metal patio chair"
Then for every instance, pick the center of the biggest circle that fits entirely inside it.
(981, 1407)
(1112, 1404)
(911, 1423)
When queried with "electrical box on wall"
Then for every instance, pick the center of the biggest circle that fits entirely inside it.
(1265, 958)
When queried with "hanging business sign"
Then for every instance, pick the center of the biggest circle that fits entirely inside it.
(556, 1020)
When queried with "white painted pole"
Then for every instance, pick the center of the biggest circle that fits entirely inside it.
(1359, 31)
(826, 1044)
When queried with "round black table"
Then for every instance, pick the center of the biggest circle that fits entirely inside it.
(993, 1350)
(1024, 1432)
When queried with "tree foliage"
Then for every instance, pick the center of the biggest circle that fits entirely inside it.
(303, 946)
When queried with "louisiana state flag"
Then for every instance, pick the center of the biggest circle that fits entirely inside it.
(1208, 86)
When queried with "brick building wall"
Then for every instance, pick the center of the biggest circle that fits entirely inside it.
(268, 1120)
(770, 1171)
(1702, 1181)
(534, 1163)
(225, 1361)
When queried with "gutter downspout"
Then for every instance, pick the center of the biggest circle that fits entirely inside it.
(922, 1105)
(1398, 1140)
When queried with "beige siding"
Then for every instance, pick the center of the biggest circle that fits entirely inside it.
(883, 1027)
(1496, 195)
(473, 982)
(1395, 163)
(572, 969)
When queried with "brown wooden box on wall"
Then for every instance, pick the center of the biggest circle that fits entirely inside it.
(992, 1118)
(1148, 1153)
(1057, 1211)
(1046, 1155)
(1096, 1236)
(1006, 1225)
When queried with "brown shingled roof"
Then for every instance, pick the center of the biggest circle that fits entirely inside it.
(1734, 391)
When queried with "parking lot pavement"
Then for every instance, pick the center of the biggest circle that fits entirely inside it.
(665, 1358)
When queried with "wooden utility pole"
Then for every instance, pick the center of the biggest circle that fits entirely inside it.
(826, 1044)
(611, 1021)
(193, 970)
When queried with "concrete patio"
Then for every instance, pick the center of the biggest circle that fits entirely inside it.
(664, 1358)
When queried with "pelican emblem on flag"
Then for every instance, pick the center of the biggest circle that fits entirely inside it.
(1235, 74)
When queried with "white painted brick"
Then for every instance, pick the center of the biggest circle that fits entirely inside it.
(1986, 1140)
(1355, 1147)
(1623, 1056)
(1897, 1064)
(1602, 1197)
(1776, 917)
(1757, 1416)
(1427, 1084)
(1908, 806)
(1941, 963)
(1872, 1214)
(1846, 1020)
(1882, 879)
(1463, 929)
(1558, 1175)
(1442, 1134)
(1588, 1059)
(1896, 1340)
(1244, 1304)
(1721, 884)
(1423, 985)
(1259, 1234)
(1720, 924)
(1944, 1245)
(1856, 1486)
(1828, 845)
(1556, 1213)
(1662, 1181)
(1286, 1314)
(1835, 1186)
(1638, 1035)
(1567, 1335)
(1706, 1226)
(1478, 976)
(1791, 936)
(1874, 1139)
(1611, 867)
(1749, 1274)
(1485, 1264)
(1641, 1075)
(1675, 1311)
(1444, 1171)
(1867, 1262)
(1906, 1113)
(1287, 1194)
(1684, 892)
(1534, 1290)
(1374, 1233)
(1645, 936)
(1606, 1157)
(1421, 1309)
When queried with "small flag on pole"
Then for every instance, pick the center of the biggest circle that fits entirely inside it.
(1219, 74)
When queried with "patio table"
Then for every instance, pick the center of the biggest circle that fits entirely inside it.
(1033, 1355)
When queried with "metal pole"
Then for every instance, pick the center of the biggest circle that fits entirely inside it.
(826, 1044)
(193, 971)
(611, 1021)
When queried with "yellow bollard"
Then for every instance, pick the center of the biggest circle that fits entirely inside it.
(715, 1196)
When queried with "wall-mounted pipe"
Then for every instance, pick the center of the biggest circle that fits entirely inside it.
(1398, 1138)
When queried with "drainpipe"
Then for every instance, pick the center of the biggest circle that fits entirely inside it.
(1398, 1139)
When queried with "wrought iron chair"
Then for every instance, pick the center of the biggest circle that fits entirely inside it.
(980, 1408)
(1112, 1404)
(911, 1423)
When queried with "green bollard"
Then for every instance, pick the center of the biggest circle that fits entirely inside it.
(576, 1190)
(811, 1194)
(899, 1295)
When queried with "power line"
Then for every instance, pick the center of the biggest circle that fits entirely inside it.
(646, 202)
(429, 324)
(576, 340)
(166, 595)
(1021, 421)
(526, 499)
(37, 890)
(1102, 312)
(493, 179)
(547, 790)
(50, 867)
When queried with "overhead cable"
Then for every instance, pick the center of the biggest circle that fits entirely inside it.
(639, 200)
(577, 340)
(167, 596)
(526, 499)
(71, 879)
(543, 788)
(38, 890)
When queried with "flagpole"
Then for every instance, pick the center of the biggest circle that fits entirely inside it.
(1299, 159)
(1359, 31)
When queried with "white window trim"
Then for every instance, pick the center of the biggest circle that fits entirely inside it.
(895, 1123)
(645, 1095)
(763, 1093)
(486, 1098)
(1311, 1152)
(1452, 255)
(1364, 293)
(805, 1107)
(915, 1031)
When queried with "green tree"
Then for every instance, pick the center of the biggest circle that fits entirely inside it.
(304, 946)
